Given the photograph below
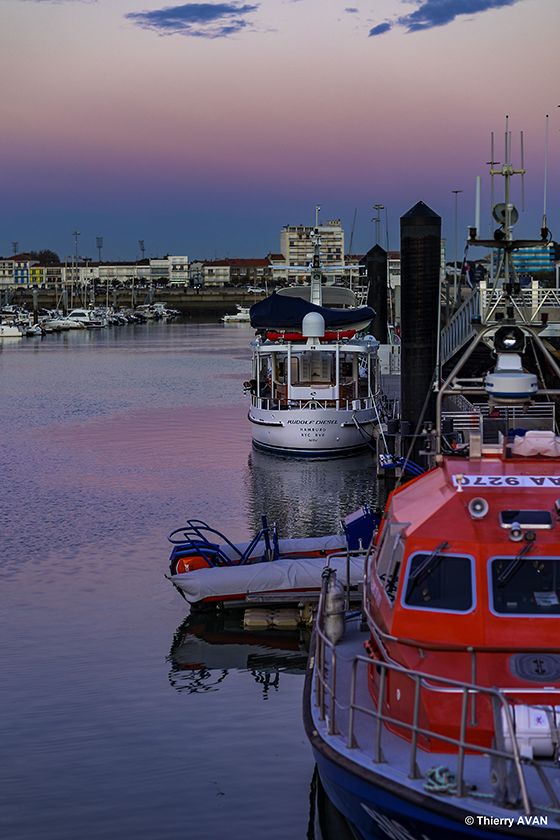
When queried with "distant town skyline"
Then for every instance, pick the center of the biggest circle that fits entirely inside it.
(204, 128)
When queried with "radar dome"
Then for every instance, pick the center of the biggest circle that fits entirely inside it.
(313, 325)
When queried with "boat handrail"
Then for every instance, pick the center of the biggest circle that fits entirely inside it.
(195, 537)
(330, 707)
(269, 404)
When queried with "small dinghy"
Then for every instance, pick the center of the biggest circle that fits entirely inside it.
(209, 570)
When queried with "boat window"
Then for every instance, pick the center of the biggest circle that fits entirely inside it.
(439, 581)
(346, 369)
(389, 559)
(526, 518)
(315, 366)
(531, 587)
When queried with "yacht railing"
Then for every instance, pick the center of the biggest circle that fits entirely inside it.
(271, 404)
(339, 706)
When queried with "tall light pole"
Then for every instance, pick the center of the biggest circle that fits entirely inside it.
(387, 229)
(377, 207)
(455, 192)
(75, 234)
(99, 245)
(142, 248)
(317, 208)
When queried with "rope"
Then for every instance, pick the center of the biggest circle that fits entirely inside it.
(361, 431)
(390, 461)
(440, 780)
(372, 398)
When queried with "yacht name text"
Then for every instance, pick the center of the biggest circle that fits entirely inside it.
(313, 422)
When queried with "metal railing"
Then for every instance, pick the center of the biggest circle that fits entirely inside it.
(459, 330)
(483, 303)
(333, 706)
(271, 404)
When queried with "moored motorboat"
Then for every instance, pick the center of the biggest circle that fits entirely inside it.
(87, 318)
(242, 315)
(436, 712)
(209, 570)
(8, 330)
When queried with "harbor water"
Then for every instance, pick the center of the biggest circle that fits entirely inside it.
(123, 715)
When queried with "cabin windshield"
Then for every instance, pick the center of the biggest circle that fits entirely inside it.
(439, 581)
(533, 587)
(389, 558)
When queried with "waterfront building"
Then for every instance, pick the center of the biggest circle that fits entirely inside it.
(250, 272)
(240, 272)
(178, 270)
(36, 274)
(215, 272)
(14, 271)
(295, 244)
(531, 260)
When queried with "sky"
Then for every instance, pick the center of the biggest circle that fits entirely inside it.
(204, 128)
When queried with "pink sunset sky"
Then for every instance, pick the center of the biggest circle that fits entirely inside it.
(203, 128)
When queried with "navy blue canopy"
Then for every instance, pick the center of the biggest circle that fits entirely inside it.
(280, 312)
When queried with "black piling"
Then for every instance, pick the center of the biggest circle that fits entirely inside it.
(375, 262)
(420, 272)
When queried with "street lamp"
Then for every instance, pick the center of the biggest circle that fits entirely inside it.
(378, 207)
(455, 192)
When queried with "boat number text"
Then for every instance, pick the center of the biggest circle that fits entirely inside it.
(506, 481)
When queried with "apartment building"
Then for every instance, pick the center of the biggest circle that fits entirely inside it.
(296, 244)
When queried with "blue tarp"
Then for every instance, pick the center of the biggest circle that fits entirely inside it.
(280, 312)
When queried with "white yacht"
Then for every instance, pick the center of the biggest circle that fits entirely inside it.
(243, 315)
(9, 331)
(87, 318)
(314, 378)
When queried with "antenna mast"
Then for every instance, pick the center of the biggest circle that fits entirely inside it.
(545, 178)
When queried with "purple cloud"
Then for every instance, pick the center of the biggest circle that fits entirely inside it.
(199, 20)
(432, 13)
(380, 29)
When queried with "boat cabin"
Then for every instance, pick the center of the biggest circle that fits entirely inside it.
(470, 553)
(335, 374)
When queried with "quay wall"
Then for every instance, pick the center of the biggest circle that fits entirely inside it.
(189, 302)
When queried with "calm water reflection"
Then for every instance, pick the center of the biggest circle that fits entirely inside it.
(112, 439)
(208, 646)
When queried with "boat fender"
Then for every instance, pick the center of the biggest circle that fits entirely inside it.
(334, 613)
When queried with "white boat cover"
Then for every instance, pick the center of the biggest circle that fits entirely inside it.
(537, 442)
(277, 576)
(333, 542)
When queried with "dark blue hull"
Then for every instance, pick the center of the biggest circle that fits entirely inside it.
(378, 814)
(380, 808)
